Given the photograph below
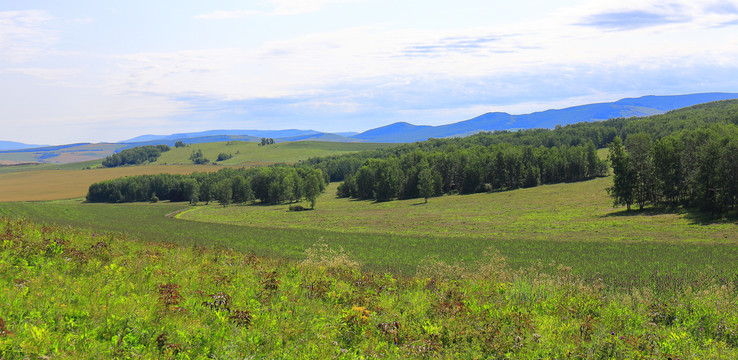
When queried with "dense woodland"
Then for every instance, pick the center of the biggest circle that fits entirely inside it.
(470, 170)
(693, 168)
(274, 184)
(135, 156)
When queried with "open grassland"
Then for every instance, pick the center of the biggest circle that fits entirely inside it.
(572, 224)
(578, 212)
(250, 153)
(124, 298)
(46, 166)
(39, 184)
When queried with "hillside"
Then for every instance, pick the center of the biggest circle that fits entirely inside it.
(625, 108)
(251, 153)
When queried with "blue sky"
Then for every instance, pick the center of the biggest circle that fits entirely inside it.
(79, 71)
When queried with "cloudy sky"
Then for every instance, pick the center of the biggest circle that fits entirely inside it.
(89, 71)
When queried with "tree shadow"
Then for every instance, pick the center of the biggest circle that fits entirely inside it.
(695, 216)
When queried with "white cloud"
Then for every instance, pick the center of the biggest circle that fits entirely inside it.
(24, 35)
(279, 7)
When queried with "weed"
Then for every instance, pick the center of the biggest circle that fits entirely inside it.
(221, 302)
(3, 328)
(269, 281)
(242, 318)
(169, 295)
(317, 288)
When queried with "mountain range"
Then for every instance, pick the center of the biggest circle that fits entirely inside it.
(400, 132)
(403, 132)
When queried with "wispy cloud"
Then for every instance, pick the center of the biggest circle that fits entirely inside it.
(24, 34)
(630, 15)
(632, 20)
(279, 7)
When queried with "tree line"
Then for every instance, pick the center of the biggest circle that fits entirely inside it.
(693, 168)
(270, 185)
(474, 169)
(135, 156)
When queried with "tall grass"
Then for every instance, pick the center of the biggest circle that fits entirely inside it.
(72, 293)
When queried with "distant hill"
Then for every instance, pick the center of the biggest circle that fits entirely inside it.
(12, 145)
(255, 134)
(642, 106)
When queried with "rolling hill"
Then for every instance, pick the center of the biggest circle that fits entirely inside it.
(630, 107)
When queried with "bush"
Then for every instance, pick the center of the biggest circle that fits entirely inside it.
(297, 208)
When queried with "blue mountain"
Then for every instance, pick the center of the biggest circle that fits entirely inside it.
(12, 145)
(643, 106)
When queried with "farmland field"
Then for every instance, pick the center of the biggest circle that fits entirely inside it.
(42, 184)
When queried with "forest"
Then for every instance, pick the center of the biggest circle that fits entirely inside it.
(274, 184)
(470, 170)
(693, 168)
(135, 156)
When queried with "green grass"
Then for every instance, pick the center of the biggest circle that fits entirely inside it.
(67, 293)
(580, 212)
(35, 167)
(250, 153)
(572, 224)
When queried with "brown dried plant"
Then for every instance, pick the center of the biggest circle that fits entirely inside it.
(169, 295)
(4, 328)
(241, 318)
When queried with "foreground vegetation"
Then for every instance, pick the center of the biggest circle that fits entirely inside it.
(127, 298)
(571, 223)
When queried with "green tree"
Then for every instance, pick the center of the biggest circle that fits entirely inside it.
(426, 183)
(224, 192)
(640, 150)
(312, 186)
(622, 190)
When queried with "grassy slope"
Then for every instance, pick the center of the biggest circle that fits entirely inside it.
(250, 153)
(561, 212)
(132, 299)
(526, 233)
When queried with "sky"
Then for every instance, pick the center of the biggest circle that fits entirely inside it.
(105, 71)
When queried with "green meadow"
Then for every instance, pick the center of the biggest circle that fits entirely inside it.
(70, 293)
(251, 153)
(572, 224)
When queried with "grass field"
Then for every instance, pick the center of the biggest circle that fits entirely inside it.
(39, 184)
(558, 223)
(67, 293)
(562, 212)
(250, 153)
